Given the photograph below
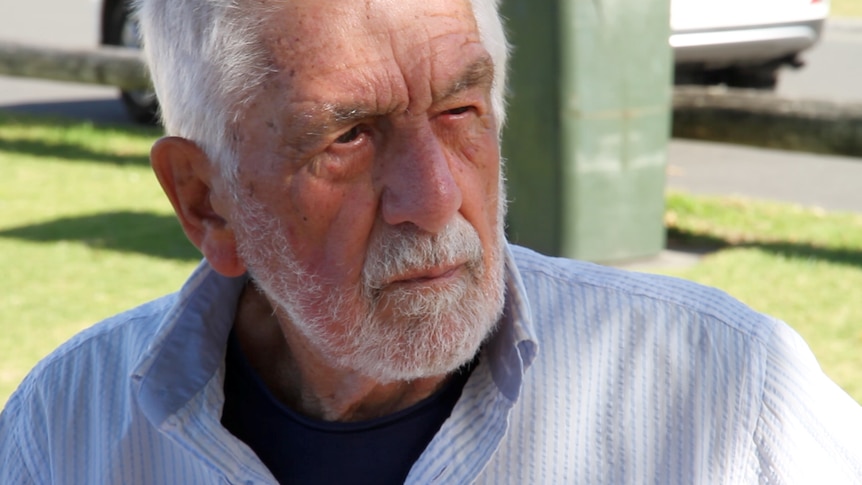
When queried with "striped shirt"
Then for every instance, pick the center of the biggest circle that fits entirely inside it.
(595, 375)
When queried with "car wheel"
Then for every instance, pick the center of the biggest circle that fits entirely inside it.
(697, 75)
(121, 29)
(761, 77)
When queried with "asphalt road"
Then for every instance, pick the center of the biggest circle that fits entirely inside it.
(832, 69)
(832, 72)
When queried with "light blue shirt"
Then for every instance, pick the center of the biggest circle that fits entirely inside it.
(595, 375)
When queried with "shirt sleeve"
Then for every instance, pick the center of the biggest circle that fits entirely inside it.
(13, 469)
(808, 430)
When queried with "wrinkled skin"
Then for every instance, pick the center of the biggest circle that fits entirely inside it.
(376, 126)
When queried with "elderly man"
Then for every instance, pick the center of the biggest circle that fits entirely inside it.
(359, 316)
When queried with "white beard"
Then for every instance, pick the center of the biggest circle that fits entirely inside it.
(385, 333)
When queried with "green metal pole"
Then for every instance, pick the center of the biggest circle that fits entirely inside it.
(589, 125)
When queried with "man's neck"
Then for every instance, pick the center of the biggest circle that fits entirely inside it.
(302, 380)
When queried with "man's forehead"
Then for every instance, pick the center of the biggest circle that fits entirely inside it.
(472, 72)
(315, 115)
(320, 47)
(330, 67)
(336, 26)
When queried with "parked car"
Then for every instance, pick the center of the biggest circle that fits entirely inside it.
(119, 28)
(742, 43)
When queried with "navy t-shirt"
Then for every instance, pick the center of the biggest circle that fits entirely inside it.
(299, 449)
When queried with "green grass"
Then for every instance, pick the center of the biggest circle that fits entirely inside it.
(801, 265)
(85, 232)
(846, 8)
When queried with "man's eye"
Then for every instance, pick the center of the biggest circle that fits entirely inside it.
(350, 135)
(458, 111)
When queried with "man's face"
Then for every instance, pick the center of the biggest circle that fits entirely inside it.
(369, 207)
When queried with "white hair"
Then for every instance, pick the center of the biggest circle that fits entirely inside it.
(207, 60)
(493, 38)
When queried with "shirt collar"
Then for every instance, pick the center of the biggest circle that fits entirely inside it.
(189, 347)
(514, 346)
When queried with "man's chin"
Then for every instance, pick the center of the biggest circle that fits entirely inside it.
(418, 368)
(423, 347)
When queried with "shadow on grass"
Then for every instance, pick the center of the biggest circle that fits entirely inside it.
(125, 231)
(688, 241)
(70, 150)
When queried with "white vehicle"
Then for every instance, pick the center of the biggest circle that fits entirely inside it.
(742, 43)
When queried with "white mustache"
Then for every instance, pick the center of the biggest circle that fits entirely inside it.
(406, 249)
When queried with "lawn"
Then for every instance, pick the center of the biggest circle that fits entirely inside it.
(802, 265)
(85, 232)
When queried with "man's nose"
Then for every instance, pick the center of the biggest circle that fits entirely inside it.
(418, 184)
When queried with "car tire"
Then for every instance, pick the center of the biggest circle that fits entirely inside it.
(697, 76)
(750, 77)
(121, 29)
(761, 77)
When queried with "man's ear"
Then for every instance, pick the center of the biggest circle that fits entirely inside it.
(188, 178)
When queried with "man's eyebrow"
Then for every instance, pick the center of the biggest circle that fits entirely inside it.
(346, 115)
(478, 73)
(327, 117)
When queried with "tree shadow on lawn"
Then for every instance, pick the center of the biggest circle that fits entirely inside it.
(124, 231)
(68, 150)
(687, 241)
